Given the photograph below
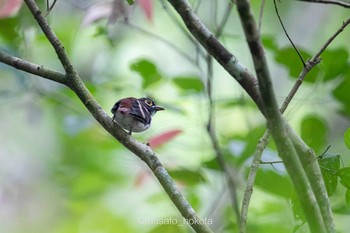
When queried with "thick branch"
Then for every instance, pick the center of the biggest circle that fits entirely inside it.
(258, 54)
(264, 140)
(279, 127)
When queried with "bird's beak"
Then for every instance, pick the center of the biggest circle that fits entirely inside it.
(158, 108)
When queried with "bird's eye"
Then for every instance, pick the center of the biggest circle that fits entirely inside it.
(148, 102)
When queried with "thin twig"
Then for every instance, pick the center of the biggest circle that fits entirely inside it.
(271, 162)
(48, 7)
(333, 2)
(223, 22)
(211, 121)
(213, 138)
(32, 68)
(285, 32)
(251, 180)
(261, 14)
(310, 64)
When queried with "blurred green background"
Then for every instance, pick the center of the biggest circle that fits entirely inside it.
(60, 172)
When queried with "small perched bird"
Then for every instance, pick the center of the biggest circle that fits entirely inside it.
(133, 114)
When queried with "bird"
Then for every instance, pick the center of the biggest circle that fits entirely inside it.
(134, 115)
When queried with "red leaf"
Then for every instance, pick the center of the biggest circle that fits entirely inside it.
(9, 7)
(147, 7)
(164, 137)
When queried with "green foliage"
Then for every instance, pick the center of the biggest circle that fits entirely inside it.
(341, 92)
(9, 30)
(334, 63)
(93, 177)
(288, 58)
(347, 198)
(314, 132)
(148, 71)
(188, 83)
(188, 177)
(297, 210)
(344, 176)
(274, 183)
(330, 163)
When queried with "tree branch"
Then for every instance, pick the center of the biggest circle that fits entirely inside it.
(258, 54)
(216, 147)
(32, 68)
(227, 170)
(286, 33)
(279, 127)
(333, 2)
(73, 81)
(264, 140)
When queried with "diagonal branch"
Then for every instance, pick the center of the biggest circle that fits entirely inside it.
(332, 2)
(73, 81)
(32, 68)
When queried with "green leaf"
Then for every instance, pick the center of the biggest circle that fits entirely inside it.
(187, 176)
(334, 62)
(329, 164)
(347, 198)
(269, 42)
(289, 58)
(9, 31)
(148, 71)
(344, 175)
(189, 83)
(347, 138)
(314, 131)
(212, 164)
(275, 183)
(341, 93)
(297, 210)
(130, 2)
